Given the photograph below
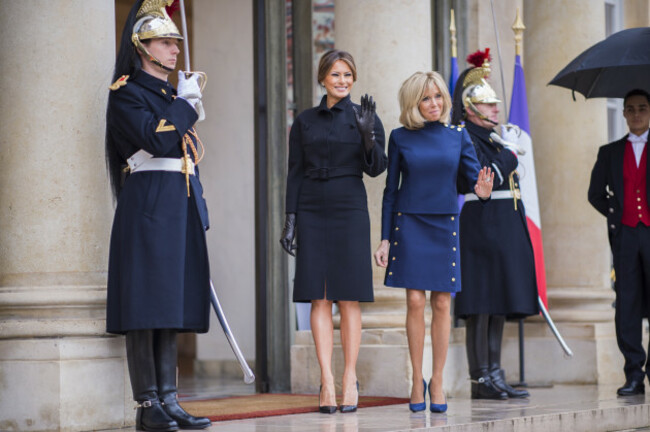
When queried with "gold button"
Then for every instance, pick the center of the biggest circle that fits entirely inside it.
(611, 210)
(638, 199)
(390, 273)
(395, 243)
(454, 233)
(452, 218)
(393, 258)
(399, 214)
(640, 216)
(453, 264)
(454, 248)
(639, 207)
(163, 91)
(396, 228)
(453, 279)
(638, 191)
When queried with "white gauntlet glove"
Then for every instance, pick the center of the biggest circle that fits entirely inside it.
(189, 89)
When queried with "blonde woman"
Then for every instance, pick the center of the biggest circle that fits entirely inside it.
(419, 245)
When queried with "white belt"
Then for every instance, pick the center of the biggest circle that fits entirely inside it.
(144, 161)
(500, 194)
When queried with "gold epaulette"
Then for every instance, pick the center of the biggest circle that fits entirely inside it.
(121, 82)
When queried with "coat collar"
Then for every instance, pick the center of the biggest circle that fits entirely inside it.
(150, 82)
(479, 131)
(339, 106)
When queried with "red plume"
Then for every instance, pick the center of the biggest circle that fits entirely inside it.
(171, 9)
(478, 58)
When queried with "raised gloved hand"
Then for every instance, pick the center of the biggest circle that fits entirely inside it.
(289, 234)
(189, 89)
(366, 122)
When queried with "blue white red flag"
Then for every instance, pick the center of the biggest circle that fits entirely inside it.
(526, 170)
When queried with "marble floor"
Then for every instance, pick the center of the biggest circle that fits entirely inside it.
(554, 409)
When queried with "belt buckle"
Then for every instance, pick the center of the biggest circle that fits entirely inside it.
(187, 165)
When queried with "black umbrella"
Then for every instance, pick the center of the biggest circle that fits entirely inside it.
(610, 68)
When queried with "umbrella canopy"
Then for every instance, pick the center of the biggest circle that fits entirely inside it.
(612, 67)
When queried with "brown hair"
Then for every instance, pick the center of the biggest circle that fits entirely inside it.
(412, 92)
(332, 56)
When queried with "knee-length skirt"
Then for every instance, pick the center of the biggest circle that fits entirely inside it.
(424, 253)
(333, 258)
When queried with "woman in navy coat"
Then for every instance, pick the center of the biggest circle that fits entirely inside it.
(158, 274)
(330, 147)
(419, 243)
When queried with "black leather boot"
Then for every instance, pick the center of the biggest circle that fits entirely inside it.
(150, 415)
(497, 375)
(476, 344)
(166, 357)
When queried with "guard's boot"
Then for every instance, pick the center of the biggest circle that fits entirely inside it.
(476, 344)
(497, 375)
(166, 357)
(150, 415)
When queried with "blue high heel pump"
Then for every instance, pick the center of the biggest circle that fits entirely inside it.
(436, 408)
(417, 407)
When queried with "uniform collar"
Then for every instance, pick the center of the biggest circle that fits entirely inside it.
(156, 85)
(339, 106)
(479, 131)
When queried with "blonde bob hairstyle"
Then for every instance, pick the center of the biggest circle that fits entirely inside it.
(411, 94)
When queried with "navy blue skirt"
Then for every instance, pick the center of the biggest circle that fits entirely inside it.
(424, 253)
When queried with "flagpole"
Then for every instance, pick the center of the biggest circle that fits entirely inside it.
(503, 81)
(452, 38)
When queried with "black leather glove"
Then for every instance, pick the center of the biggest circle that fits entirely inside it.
(366, 122)
(289, 234)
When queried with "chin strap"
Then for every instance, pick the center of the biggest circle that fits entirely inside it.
(140, 46)
(478, 113)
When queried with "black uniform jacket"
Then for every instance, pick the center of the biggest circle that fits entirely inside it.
(497, 261)
(158, 274)
(606, 185)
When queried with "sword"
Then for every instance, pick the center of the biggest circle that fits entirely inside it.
(203, 78)
(554, 329)
(249, 376)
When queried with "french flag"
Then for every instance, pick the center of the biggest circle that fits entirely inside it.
(526, 170)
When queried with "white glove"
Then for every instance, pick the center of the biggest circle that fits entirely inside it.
(188, 89)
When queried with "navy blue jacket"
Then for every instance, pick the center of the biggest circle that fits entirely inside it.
(428, 162)
(158, 271)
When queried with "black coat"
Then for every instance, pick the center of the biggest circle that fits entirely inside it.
(158, 272)
(606, 185)
(497, 261)
(325, 189)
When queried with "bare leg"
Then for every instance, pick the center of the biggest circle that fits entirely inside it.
(440, 328)
(415, 302)
(322, 329)
(350, 340)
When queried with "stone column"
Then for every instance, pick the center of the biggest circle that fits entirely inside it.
(566, 135)
(384, 60)
(58, 368)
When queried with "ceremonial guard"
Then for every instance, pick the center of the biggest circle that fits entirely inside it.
(498, 267)
(158, 275)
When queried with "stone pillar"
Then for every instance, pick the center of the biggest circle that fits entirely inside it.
(58, 368)
(384, 60)
(361, 30)
(566, 135)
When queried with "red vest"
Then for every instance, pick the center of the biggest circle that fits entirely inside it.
(635, 197)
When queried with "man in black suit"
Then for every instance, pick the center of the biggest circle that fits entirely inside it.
(620, 190)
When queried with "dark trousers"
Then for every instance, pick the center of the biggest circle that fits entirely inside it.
(631, 250)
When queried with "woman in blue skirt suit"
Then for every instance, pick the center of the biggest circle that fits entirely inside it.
(419, 243)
